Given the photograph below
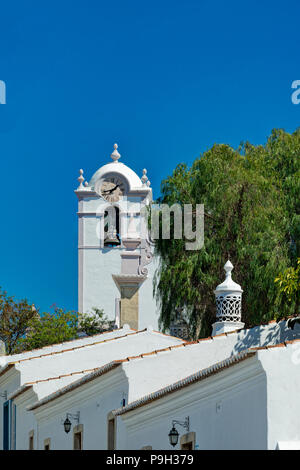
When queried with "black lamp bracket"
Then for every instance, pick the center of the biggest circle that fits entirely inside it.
(185, 424)
(75, 417)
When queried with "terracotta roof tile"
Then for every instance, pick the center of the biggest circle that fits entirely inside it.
(79, 347)
(292, 341)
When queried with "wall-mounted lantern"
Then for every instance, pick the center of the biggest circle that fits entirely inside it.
(174, 434)
(68, 424)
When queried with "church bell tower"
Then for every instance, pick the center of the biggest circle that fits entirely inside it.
(115, 259)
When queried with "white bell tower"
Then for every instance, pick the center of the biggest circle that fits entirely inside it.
(115, 261)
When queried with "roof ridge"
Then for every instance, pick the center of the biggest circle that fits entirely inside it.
(76, 347)
(278, 345)
(117, 361)
(57, 377)
(68, 341)
(134, 331)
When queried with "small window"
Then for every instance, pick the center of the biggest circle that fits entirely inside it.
(47, 444)
(78, 437)
(187, 441)
(31, 440)
(111, 430)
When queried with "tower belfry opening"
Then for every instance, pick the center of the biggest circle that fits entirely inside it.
(112, 236)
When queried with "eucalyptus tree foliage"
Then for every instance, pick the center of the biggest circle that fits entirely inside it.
(251, 214)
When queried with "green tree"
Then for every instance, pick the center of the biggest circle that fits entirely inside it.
(23, 329)
(62, 326)
(94, 323)
(251, 212)
(49, 329)
(15, 317)
(289, 286)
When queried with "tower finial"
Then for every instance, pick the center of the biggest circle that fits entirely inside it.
(81, 179)
(144, 178)
(115, 155)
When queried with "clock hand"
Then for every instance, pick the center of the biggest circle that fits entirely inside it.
(109, 191)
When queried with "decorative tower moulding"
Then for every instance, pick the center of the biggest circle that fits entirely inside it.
(229, 304)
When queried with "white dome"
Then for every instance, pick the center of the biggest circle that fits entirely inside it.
(116, 167)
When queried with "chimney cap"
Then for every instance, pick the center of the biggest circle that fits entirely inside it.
(228, 285)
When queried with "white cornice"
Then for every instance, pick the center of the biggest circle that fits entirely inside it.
(82, 193)
(100, 213)
(85, 193)
(128, 279)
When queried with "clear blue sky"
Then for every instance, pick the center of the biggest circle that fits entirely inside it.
(165, 79)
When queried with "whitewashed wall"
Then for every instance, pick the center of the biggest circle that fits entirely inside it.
(93, 402)
(283, 373)
(25, 421)
(239, 394)
(251, 405)
(99, 289)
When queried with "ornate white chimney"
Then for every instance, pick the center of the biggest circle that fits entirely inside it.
(229, 304)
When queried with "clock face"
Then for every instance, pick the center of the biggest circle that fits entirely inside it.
(112, 189)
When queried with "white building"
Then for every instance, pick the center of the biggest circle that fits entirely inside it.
(31, 376)
(128, 388)
(130, 402)
(247, 401)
